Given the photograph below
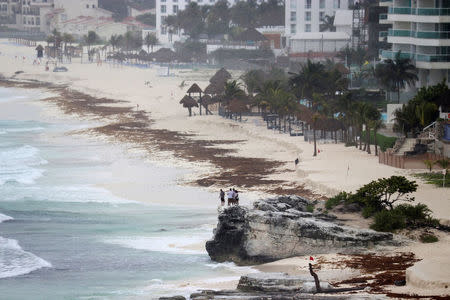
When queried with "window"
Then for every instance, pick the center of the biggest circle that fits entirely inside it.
(163, 0)
(293, 16)
(175, 9)
(321, 16)
(322, 4)
(163, 30)
(337, 4)
(293, 4)
(93, 5)
(308, 16)
(307, 27)
(163, 19)
(293, 28)
(163, 8)
(211, 1)
(87, 5)
(308, 4)
(38, 21)
(24, 20)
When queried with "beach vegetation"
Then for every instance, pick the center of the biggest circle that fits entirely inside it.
(381, 141)
(310, 208)
(429, 163)
(422, 110)
(404, 216)
(428, 238)
(342, 197)
(435, 178)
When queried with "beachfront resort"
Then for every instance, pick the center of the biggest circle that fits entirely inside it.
(222, 150)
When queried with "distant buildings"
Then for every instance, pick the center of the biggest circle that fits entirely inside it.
(308, 31)
(76, 17)
(421, 31)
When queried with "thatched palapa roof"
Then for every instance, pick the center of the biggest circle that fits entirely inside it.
(237, 106)
(251, 35)
(195, 89)
(207, 100)
(164, 55)
(221, 76)
(188, 102)
(215, 88)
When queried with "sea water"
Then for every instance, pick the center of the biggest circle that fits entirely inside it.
(63, 236)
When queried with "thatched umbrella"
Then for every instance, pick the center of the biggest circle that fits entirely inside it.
(207, 100)
(189, 103)
(195, 89)
(221, 76)
(215, 88)
(164, 55)
(237, 106)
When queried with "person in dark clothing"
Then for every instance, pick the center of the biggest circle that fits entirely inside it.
(222, 197)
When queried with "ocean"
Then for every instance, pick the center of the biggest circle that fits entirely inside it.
(64, 236)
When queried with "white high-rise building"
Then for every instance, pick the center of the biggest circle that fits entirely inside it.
(303, 27)
(421, 31)
(307, 15)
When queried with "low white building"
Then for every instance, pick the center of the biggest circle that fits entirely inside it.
(318, 42)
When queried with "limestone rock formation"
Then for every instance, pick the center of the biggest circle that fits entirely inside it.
(280, 228)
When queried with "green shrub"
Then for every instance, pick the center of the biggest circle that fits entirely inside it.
(350, 144)
(388, 221)
(310, 208)
(428, 238)
(404, 216)
(336, 200)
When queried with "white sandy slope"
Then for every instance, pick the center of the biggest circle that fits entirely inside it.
(336, 168)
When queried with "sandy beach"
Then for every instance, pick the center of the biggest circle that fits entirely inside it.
(218, 153)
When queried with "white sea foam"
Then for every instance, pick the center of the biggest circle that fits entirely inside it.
(63, 193)
(168, 244)
(14, 261)
(20, 165)
(4, 218)
(30, 129)
(230, 266)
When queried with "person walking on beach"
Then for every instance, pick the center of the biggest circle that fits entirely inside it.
(230, 196)
(222, 197)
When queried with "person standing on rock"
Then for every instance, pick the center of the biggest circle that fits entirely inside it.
(230, 196)
(222, 197)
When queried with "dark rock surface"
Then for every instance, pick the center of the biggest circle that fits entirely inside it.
(280, 228)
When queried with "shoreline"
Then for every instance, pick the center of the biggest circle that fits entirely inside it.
(202, 148)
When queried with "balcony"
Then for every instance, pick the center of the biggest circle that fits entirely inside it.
(396, 32)
(382, 34)
(382, 17)
(391, 54)
(433, 57)
(419, 11)
(440, 35)
(436, 58)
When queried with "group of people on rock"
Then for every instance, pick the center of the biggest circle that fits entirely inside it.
(232, 197)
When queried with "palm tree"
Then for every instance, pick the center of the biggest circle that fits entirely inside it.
(309, 80)
(115, 40)
(150, 41)
(328, 24)
(90, 39)
(376, 125)
(67, 38)
(128, 40)
(232, 91)
(315, 117)
(401, 72)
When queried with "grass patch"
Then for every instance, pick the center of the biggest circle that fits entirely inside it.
(384, 142)
(428, 238)
(310, 208)
(435, 178)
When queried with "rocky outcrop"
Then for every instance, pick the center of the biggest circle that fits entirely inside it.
(281, 227)
(279, 286)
